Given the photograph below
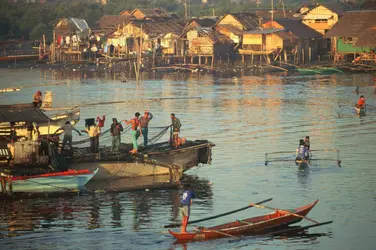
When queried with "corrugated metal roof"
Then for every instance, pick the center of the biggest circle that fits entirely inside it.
(22, 114)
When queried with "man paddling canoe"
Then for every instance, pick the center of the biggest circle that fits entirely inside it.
(185, 206)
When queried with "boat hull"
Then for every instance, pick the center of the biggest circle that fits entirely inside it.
(123, 169)
(69, 181)
(137, 183)
(190, 155)
(257, 225)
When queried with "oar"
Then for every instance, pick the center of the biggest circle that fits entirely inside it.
(219, 215)
(288, 212)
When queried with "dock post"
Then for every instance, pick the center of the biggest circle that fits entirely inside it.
(309, 53)
(212, 61)
(303, 56)
(243, 59)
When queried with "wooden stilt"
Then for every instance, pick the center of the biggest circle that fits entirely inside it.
(212, 61)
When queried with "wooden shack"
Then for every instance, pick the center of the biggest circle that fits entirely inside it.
(70, 36)
(265, 44)
(233, 25)
(322, 17)
(204, 42)
(146, 36)
(354, 37)
(304, 42)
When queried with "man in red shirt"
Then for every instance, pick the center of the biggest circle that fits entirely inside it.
(362, 102)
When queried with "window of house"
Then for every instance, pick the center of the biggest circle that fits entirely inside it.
(321, 21)
(349, 40)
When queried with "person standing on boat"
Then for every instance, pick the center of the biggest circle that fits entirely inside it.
(176, 125)
(185, 206)
(361, 102)
(67, 128)
(115, 130)
(134, 123)
(37, 99)
(302, 152)
(93, 131)
(307, 142)
(144, 123)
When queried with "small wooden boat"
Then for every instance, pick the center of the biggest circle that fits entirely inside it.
(251, 226)
(361, 111)
(67, 181)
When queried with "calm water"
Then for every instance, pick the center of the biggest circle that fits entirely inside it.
(245, 116)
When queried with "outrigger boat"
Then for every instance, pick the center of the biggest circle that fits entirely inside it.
(67, 181)
(27, 165)
(290, 157)
(251, 226)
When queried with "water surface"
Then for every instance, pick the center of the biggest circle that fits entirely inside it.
(245, 116)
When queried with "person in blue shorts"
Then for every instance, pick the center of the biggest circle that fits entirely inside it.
(185, 206)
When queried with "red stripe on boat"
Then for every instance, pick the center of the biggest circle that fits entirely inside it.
(65, 173)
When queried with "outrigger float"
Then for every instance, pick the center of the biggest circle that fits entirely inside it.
(260, 225)
(289, 157)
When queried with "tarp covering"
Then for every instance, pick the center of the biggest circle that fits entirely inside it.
(25, 114)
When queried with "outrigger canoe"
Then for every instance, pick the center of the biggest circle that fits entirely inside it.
(251, 226)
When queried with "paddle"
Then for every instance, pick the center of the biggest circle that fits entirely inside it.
(294, 214)
(219, 215)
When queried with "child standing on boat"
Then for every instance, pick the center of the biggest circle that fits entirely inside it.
(185, 206)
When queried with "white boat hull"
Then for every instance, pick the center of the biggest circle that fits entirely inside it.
(68, 183)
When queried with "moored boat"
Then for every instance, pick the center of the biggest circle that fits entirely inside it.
(251, 226)
(120, 165)
(67, 181)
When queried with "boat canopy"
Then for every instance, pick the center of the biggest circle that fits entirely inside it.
(22, 114)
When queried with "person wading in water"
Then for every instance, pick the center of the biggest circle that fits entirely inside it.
(144, 123)
(134, 123)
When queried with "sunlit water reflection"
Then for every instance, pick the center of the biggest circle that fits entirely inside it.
(245, 116)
